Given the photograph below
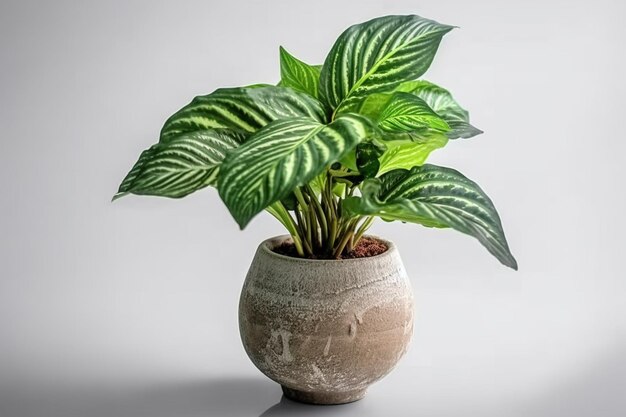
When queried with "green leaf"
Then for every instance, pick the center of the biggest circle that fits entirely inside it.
(442, 103)
(376, 56)
(406, 155)
(436, 197)
(367, 154)
(181, 165)
(242, 108)
(298, 75)
(282, 156)
(406, 112)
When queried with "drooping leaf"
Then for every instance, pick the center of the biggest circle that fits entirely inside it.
(406, 112)
(436, 197)
(242, 108)
(407, 154)
(182, 165)
(442, 103)
(281, 156)
(376, 56)
(298, 75)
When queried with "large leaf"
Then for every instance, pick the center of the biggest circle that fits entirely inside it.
(437, 197)
(407, 154)
(242, 108)
(281, 156)
(181, 165)
(298, 75)
(376, 56)
(442, 103)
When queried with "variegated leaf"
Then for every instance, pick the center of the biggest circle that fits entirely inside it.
(376, 56)
(182, 165)
(437, 197)
(242, 108)
(406, 112)
(298, 75)
(442, 102)
(280, 157)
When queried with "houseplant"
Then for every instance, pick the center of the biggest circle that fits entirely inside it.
(326, 151)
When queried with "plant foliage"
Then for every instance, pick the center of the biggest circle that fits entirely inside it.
(331, 146)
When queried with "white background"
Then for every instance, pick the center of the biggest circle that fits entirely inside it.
(130, 309)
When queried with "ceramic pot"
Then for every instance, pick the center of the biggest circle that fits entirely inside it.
(325, 329)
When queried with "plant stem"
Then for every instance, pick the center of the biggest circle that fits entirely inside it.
(321, 218)
(279, 211)
(362, 229)
(346, 236)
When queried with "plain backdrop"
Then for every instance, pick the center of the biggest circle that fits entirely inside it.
(130, 309)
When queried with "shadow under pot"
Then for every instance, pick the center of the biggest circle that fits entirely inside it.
(325, 329)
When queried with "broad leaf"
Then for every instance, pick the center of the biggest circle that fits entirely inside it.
(281, 156)
(181, 165)
(406, 155)
(298, 75)
(442, 102)
(406, 112)
(437, 197)
(242, 108)
(376, 56)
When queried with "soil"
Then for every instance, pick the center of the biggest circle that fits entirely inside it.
(367, 246)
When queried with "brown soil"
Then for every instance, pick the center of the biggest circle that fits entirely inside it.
(367, 246)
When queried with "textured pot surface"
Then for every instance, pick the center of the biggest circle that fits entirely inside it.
(325, 329)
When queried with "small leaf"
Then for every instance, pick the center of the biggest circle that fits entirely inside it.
(442, 103)
(406, 155)
(298, 75)
(367, 154)
(406, 112)
(436, 197)
(376, 56)
(181, 165)
(283, 155)
(243, 108)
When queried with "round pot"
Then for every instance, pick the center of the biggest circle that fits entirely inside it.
(325, 329)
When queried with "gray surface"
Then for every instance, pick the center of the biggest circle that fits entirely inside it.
(129, 309)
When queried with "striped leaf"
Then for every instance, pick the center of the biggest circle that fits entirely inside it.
(242, 108)
(298, 75)
(376, 56)
(436, 197)
(442, 102)
(407, 154)
(406, 112)
(181, 165)
(281, 156)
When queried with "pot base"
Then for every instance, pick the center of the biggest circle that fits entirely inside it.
(323, 398)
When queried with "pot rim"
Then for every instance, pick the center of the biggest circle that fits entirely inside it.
(268, 244)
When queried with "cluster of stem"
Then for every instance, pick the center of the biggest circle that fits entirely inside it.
(321, 229)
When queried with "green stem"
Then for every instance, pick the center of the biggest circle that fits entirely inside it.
(302, 227)
(279, 211)
(346, 236)
(362, 229)
(321, 217)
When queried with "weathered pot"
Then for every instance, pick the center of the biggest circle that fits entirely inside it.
(325, 329)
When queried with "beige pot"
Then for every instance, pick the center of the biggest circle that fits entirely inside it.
(325, 329)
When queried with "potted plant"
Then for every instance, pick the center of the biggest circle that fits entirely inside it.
(326, 310)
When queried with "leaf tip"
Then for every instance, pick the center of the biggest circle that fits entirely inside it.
(511, 262)
(118, 195)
